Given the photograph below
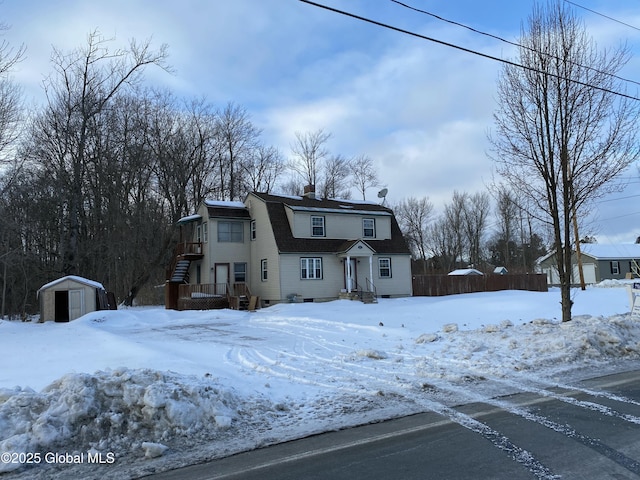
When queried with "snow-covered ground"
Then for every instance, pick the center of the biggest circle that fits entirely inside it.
(118, 394)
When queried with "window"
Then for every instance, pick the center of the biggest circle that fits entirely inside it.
(615, 267)
(311, 268)
(368, 227)
(199, 233)
(252, 228)
(239, 272)
(384, 267)
(205, 232)
(317, 226)
(230, 232)
(263, 270)
(634, 267)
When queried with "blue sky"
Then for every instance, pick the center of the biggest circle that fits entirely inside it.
(420, 110)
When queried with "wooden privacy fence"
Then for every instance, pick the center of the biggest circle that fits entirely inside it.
(436, 285)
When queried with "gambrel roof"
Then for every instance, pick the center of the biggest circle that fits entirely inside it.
(287, 243)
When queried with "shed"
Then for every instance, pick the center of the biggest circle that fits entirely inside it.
(70, 297)
(465, 271)
(500, 271)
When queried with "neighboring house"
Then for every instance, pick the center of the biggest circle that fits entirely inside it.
(599, 262)
(289, 248)
(70, 297)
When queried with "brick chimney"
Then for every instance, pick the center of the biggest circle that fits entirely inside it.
(310, 191)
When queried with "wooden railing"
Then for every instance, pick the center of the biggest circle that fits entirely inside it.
(202, 290)
(189, 248)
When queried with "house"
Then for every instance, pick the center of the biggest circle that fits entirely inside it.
(599, 262)
(500, 271)
(287, 248)
(70, 297)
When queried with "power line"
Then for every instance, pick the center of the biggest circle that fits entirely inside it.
(504, 40)
(464, 49)
(618, 198)
(602, 15)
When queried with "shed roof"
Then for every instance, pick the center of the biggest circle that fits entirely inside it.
(466, 271)
(74, 278)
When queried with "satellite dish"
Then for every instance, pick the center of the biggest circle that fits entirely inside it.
(383, 194)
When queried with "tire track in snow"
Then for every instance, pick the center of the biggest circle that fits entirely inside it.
(566, 430)
(336, 371)
(543, 390)
(497, 439)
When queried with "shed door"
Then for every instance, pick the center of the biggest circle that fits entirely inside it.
(61, 305)
(76, 304)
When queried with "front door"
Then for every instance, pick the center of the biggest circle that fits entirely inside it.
(221, 278)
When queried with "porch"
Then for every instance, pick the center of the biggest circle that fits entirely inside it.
(358, 281)
(209, 296)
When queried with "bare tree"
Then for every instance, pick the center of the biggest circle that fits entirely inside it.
(262, 169)
(443, 241)
(454, 216)
(85, 83)
(335, 178)
(10, 96)
(414, 216)
(309, 152)
(562, 132)
(237, 139)
(475, 214)
(363, 174)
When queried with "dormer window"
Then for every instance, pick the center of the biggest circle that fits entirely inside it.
(317, 226)
(368, 227)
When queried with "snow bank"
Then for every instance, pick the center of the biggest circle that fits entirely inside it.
(114, 411)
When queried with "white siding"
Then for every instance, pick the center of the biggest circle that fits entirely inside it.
(347, 225)
(327, 288)
(263, 247)
(220, 252)
(400, 282)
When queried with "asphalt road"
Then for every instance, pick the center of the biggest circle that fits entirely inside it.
(591, 432)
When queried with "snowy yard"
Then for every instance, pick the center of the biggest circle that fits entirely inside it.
(122, 393)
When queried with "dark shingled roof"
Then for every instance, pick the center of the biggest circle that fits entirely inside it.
(227, 212)
(287, 243)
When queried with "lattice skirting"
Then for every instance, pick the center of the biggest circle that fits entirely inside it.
(202, 303)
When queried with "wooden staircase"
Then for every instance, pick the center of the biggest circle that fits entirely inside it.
(181, 272)
(240, 297)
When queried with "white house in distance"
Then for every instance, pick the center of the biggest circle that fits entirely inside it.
(599, 262)
(275, 248)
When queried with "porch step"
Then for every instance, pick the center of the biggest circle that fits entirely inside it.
(368, 297)
(364, 297)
